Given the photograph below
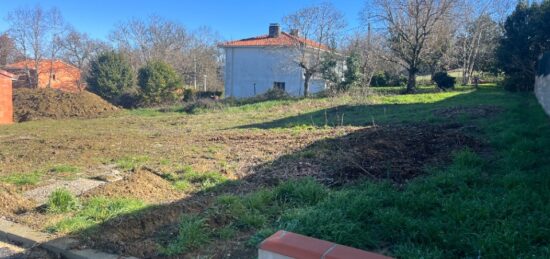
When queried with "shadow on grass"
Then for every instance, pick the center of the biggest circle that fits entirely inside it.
(397, 153)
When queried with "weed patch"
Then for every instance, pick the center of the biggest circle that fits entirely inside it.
(95, 211)
(61, 201)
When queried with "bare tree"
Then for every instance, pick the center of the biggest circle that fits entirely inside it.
(151, 39)
(8, 52)
(369, 47)
(478, 33)
(35, 32)
(320, 26)
(410, 25)
(78, 49)
(193, 55)
(57, 29)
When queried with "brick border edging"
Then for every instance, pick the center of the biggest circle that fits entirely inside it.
(284, 244)
(15, 232)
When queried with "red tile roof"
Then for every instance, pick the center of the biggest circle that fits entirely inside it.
(6, 74)
(284, 39)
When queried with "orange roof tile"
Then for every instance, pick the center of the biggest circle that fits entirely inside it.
(6, 74)
(284, 39)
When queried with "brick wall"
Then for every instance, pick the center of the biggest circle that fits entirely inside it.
(6, 98)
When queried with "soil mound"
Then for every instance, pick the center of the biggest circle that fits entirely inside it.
(142, 184)
(36, 104)
(11, 202)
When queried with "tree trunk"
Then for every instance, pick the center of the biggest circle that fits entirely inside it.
(307, 77)
(411, 82)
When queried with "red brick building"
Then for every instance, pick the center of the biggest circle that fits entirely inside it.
(55, 74)
(6, 101)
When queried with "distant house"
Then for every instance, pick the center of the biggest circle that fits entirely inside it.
(54, 74)
(255, 65)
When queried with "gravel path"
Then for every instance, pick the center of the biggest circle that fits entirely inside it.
(76, 187)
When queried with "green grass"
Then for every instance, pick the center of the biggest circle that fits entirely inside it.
(186, 179)
(494, 205)
(95, 211)
(193, 232)
(31, 178)
(61, 201)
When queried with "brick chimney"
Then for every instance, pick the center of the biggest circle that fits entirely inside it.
(274, 30)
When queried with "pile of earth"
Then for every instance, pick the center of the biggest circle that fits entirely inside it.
(37, 104)
(396, 153)
(11, 202)
(143, 184)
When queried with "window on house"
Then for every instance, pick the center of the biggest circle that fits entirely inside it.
(279, 85)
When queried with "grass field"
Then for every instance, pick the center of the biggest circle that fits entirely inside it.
(458, 174)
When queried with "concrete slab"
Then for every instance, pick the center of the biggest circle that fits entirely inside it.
(76, 187)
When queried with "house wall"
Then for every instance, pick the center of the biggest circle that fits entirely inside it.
(247, 68)
(63, 76)
(542, 82)
(6, 100)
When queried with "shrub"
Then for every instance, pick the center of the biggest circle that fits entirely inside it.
(157, 82)
(192, 234)
(61, 200)
(443, 80)
(191, 95)
(110, 77)
(203, 104)
(388, 79)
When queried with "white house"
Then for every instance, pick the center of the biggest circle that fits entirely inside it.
(255, 65)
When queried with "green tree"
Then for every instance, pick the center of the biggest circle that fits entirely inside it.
(157, 82)
(526, 36)
(352, 75)
(111, 77)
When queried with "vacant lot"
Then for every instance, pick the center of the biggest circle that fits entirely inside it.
(439, 175)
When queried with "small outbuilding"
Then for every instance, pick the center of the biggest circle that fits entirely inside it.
(6, 97)
(55, 74)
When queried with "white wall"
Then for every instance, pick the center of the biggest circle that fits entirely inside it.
(246, 66)
(542, 82)
(542, 91)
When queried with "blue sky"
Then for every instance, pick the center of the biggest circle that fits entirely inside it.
(232, 19)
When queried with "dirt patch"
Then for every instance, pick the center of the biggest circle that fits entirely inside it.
(142, 184)
(479, 111)
(11, 202)
(398, 153)
(36, 104)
